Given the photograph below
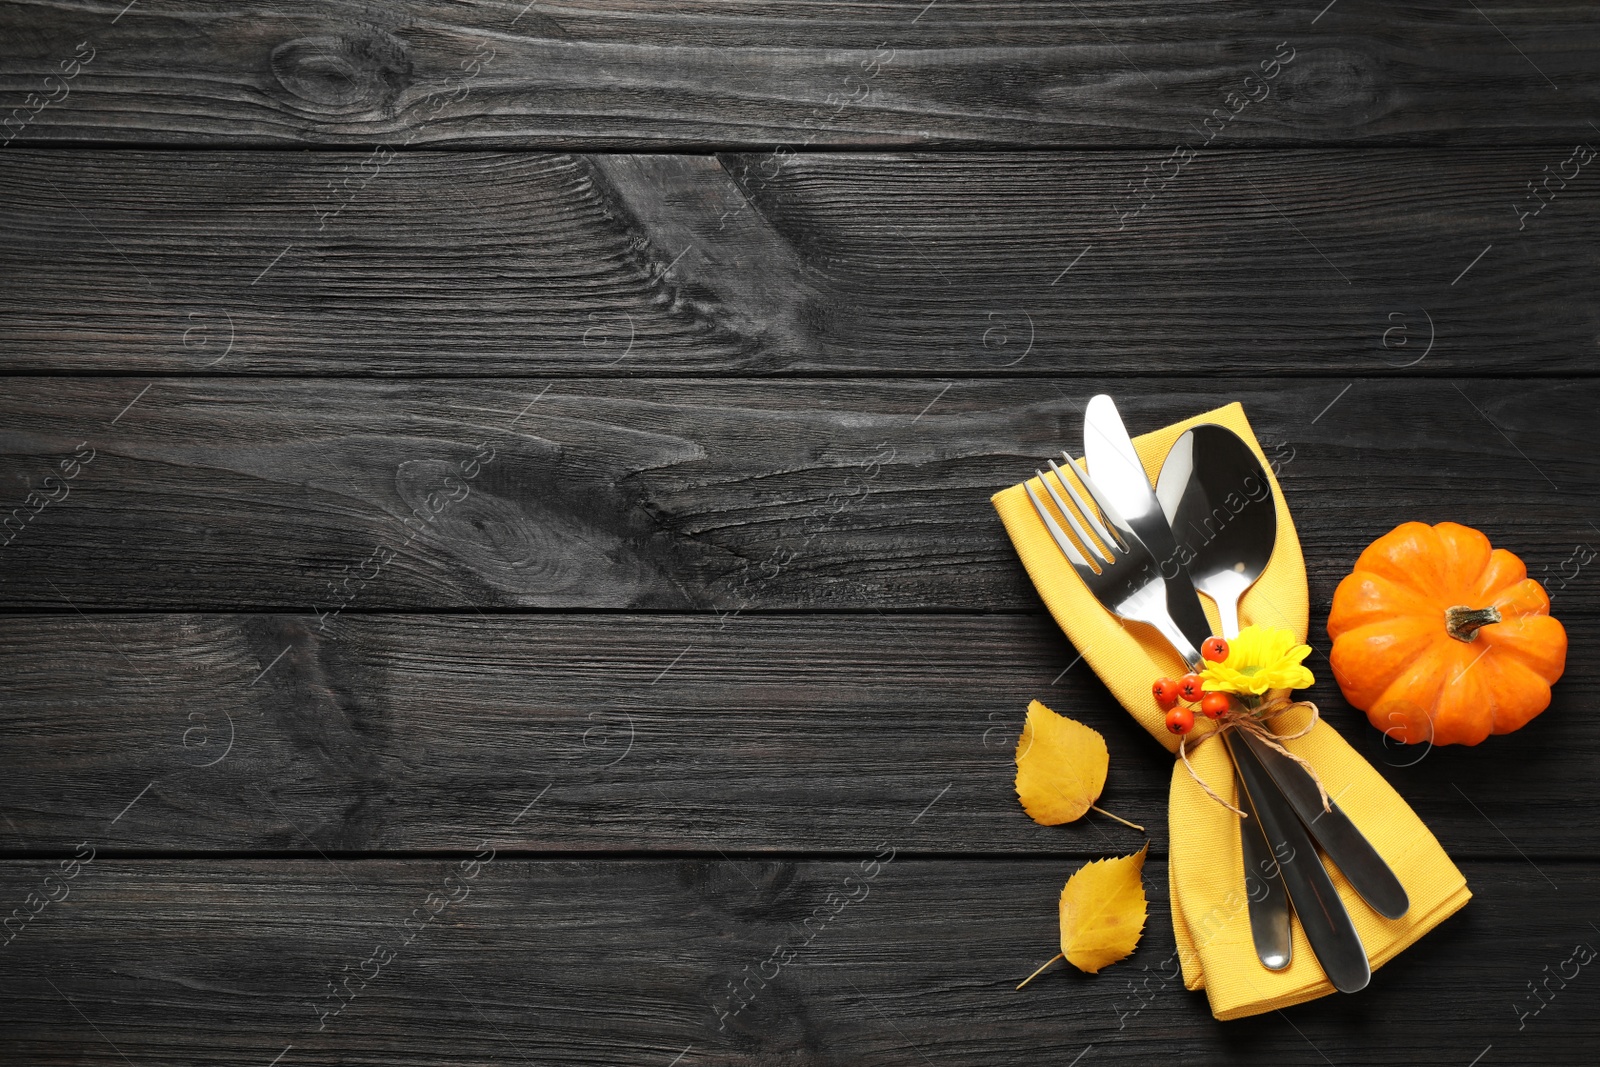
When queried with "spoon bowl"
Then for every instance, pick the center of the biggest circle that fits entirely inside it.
(1219, 503)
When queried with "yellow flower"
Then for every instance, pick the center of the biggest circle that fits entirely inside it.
(1259, 659)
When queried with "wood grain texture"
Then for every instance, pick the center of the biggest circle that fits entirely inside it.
(804, 495)
(472, 485)
(1238, 263)
(617, 73)
(701, 734)
(228, 962)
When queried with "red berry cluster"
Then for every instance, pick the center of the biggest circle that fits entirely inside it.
(1190, 689)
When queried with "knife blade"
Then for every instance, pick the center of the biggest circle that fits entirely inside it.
(1322, 914)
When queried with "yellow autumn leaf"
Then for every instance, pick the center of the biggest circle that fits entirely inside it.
(1103, 911)
(1061, 766)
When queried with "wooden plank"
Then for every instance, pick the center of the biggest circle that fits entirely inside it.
(617, 73)
(703, 734)
(755, 494)
(230, 962)
(1237, 263)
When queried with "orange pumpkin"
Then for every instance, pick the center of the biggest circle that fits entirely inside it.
(1438, 637)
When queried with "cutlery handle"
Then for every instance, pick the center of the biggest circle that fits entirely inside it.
(1227, 615)
(1350, 851)
(1322, 914)
(1263, 886)
(1176, 637)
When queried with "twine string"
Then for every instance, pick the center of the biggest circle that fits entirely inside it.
(1254, 722)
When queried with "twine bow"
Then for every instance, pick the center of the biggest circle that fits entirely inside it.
(1254, 721)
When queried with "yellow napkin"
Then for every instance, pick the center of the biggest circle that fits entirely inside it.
(1205, 870)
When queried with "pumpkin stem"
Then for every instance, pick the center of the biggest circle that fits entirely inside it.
(1462, 622)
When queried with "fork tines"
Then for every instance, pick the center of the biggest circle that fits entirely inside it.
(1102, 544)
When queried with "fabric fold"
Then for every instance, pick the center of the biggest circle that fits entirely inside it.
(1209, 908)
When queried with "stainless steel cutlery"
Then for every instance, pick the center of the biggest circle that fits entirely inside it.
(1266, 898)
(1209, 524)
(1350, 851)
(1322, 914)
(1124, 575)
(1218, 502)
(1116, 466)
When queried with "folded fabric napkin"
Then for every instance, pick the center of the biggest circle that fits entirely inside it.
(1205, 869)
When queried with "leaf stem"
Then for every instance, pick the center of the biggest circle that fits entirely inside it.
(1125, 822)
(1035, 974)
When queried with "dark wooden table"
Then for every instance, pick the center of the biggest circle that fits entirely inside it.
(509, 533)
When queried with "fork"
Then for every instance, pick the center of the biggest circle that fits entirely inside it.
(1123, 575)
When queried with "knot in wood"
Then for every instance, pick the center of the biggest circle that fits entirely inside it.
(1338, 84)
(345, 74)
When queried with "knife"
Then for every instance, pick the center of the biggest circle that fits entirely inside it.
(1120, 476)
(1117, 469)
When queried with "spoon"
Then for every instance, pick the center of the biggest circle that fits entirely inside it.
(1220, 508)
(1219, 503)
